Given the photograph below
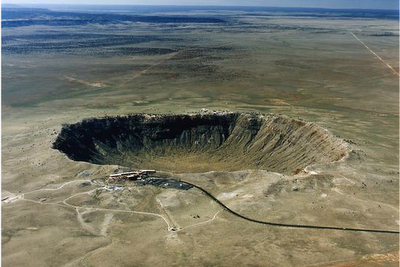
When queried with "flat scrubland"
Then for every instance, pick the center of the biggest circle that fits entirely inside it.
(308, 65)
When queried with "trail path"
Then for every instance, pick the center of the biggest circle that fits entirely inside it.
(377, 56)
(171, 225)
(173, 228)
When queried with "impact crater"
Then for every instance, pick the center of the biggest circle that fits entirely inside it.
(200, 142)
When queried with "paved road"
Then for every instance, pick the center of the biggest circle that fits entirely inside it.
(291, 225)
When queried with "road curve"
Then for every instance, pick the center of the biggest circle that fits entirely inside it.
(291, 225)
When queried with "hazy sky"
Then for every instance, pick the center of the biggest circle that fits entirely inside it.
(372, 4)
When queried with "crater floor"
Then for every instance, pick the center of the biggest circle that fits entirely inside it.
(199, 142)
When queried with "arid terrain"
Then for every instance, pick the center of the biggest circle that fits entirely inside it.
(308, 136)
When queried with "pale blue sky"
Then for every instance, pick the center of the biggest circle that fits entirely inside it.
(364, 4)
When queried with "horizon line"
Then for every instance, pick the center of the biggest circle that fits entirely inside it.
(190, 5)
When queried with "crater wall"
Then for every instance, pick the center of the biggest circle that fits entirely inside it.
(201, 142)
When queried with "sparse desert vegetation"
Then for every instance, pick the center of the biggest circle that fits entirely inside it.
(301, 128)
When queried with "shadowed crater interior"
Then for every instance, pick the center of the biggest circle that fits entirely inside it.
(201, 142)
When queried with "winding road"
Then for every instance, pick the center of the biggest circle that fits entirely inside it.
(291, 225)
(65, 203)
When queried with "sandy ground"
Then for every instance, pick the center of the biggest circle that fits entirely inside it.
(56, 212)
